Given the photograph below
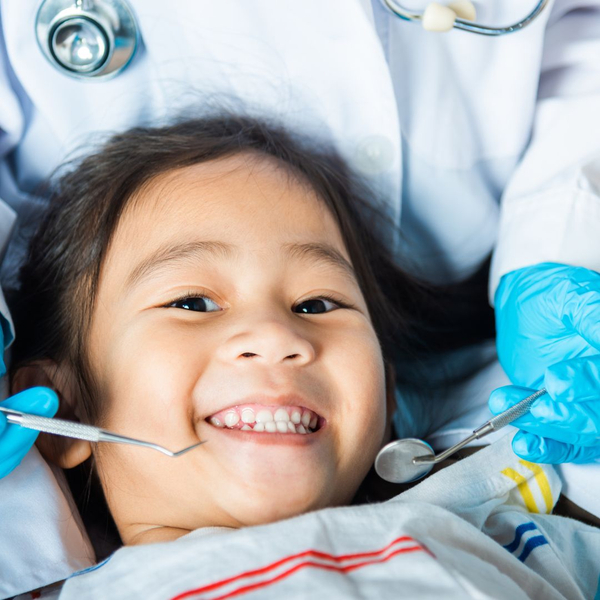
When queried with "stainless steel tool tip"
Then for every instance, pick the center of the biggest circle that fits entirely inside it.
(395, 462)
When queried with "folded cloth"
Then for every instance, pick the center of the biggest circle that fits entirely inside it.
(42, 539)
(479, 529)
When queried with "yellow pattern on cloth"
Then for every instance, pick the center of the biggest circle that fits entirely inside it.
(542, 481)
(526, 492)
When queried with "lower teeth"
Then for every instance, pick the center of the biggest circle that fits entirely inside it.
(269, 426)
(272, 427)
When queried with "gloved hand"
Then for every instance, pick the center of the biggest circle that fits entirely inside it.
(15, 441)
(564, 424)
(548, 324)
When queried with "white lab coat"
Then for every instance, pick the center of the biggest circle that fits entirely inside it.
(471, 143)
(443, 125)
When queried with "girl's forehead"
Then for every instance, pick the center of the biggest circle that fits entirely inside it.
(245, 204)
(239, 198)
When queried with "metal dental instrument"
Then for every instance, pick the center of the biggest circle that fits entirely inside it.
(80, 431)
(410, 459)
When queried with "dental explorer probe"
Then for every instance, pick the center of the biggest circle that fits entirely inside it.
(80, 431)
(410, 459)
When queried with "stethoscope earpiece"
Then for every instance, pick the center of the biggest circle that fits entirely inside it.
(437, 17)
(87, 38)
(459, 14)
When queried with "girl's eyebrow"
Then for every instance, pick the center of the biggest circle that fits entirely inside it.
(202, 250)
(321, 253)
(170, 253)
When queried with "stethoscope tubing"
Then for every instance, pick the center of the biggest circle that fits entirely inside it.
(88, 9)
(471, 26)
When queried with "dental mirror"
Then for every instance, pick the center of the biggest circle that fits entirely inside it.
(403, 461)
(395, 463)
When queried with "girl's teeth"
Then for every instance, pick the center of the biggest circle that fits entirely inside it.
(248, 416)
(264, 416)
(282, 415)
(306, 419)
(231, 419)
(277, 427)
(271, 420)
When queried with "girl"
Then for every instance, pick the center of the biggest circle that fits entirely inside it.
(213, 280)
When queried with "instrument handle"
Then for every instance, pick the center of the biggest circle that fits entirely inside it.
(70, 429)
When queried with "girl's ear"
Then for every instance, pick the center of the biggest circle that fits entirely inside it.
(62, 451)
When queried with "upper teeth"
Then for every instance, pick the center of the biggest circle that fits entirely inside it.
(266, 419)
(248, 415)
(231, 418)
(264, 416)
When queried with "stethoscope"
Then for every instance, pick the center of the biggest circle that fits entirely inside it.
(459, 15)
(87, 39)
(92, 39)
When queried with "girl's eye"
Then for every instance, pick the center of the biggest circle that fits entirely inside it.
(315, 306)
(199, 304)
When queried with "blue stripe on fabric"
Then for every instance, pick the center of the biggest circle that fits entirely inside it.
(597, 596)
(519, 531)
(92, 568)
(532, 544)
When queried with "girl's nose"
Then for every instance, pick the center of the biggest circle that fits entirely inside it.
(269, 343)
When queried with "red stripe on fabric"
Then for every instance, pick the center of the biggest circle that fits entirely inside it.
(274, 565)
(312, 553)
(295, 568)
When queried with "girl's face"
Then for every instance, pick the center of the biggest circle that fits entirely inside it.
(227, 298)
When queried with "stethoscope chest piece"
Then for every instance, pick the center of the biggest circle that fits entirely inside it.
(87, 38)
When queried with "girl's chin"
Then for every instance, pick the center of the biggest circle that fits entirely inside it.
(274, 503)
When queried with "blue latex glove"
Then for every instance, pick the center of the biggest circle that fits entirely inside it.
(563, 425)
(548, 323)
(16, 441)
